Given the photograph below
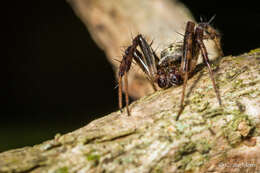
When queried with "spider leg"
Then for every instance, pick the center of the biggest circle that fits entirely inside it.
(123, 69)
(186, 58)
(126, 93)
(147, 63)
(147, 60)
(139, 59)
(211, 33)
(150, 59)
(199, 41)
(120, 92)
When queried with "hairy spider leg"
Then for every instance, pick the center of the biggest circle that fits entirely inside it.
(187, 56)
(124, 73)
(193, 44)
(147, 63)
(203, 50)
(211, 33)
(149, 58)
(120, 92)
(126, 94)
(123, 69)
(139, 59)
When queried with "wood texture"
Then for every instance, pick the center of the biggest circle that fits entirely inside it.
(206, 138)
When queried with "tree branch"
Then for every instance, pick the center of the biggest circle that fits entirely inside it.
(207, 138)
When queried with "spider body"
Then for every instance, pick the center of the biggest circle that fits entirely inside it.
(175, 64)
(168, 73)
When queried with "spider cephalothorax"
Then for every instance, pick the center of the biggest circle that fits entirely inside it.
(175, 64)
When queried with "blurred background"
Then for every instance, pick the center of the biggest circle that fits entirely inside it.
(55, 79)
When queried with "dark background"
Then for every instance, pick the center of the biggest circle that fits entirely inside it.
(54, 79)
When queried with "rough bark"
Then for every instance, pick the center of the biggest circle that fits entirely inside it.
(207, 137)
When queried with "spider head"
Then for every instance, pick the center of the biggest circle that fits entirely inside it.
(169, 78)
(174, 78)
(162, 79)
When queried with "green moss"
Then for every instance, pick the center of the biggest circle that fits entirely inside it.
(250, 93)
(157, 169)
(91, 157)
(200, 161)
(234, 73)
(253, 83)
(238, 84)
(192, 154)
(233, 137)
(238, 59)
(203, 146)
(57, 136)
(213, 112)
(94, 158)
(254, 51)
(203, 107)
(256, 132)
(181, 127)
(185, 162)
(197, 98)
(62, 170)
(128, 160)
(184, 149)
(149, 96)
(238, 128)
(240, 106)
(234, 124)
(192, 161)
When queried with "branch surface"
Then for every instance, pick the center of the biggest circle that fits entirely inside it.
(206, 137)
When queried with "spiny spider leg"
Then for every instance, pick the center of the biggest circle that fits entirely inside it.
(203, 50)
(187, 56)
(149, 57)
(126, 93)
(138, 57)
(147, 62)
(212, 34)
(120, 92)
(176, 63)
(123, 69)
(192, 45)
(141, 62)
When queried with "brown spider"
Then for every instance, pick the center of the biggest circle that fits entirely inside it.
(176, 63)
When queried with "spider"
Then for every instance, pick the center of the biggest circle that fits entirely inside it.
(176, 63)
